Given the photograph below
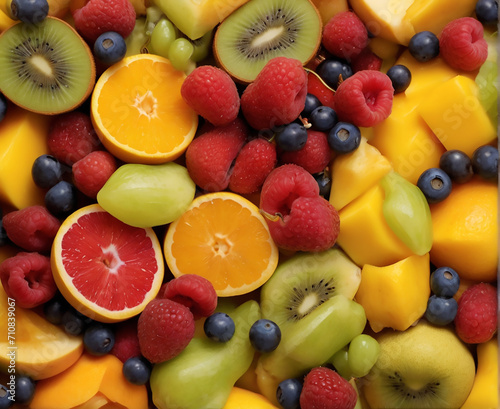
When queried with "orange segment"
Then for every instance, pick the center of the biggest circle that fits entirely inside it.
(138, 111)
(222, 237)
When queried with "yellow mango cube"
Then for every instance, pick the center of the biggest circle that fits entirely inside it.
(328, 8)
(455, 115)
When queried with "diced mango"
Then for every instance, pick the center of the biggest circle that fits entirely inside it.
(455, 115)
(395, 296)
(328, 8)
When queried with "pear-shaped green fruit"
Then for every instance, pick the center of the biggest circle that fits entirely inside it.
(407, 212)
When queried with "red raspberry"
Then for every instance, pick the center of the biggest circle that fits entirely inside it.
(254, 162)
(366, 60)
(164, 329)
(325, 389)
(210, 155)
(192, 291)
(27, 277)
(91, 172)
(476, 320)
(32, 228)
(319, 90)
(99, 16)
(461, 44)
(314, 156)
(365, 98)
(345, 35)
(72, 137)
(212, 93)
(126, 340)
(299, 219)
(277, 96)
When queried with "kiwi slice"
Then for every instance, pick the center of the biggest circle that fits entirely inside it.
(305, 281)
(263, 29)
(46, 67)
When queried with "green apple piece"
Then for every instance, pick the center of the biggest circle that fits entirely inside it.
(203, 375)
(407, 212)
(147, 195)
(363, 353)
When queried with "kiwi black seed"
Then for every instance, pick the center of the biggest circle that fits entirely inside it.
(46, 67)
(304, 300)
(263, 29)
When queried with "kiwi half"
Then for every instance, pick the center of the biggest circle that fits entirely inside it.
(46, 67)
(263, 29)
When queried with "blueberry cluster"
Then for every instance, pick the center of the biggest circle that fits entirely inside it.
(442, 307)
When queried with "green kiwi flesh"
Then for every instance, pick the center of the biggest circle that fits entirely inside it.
(305, 281)
(46, 67)
(263, 29)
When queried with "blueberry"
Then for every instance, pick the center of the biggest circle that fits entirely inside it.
(25, 389)
(324, 182)
(323, 118)
(54, 310)
(98, 339)
(441, 311)
(400, 77)
(219, 327)
(344, 137)
(288, 393)
(332, 71)
(435, 184)
(444, 282)
(73, 322)
(311, 103)
(292, 137)
(457, 165)
(5, 395)
(424, 46)
(30, 11)
(487, 11)
(46, 171)
(61, 199)
(110, 47)
(137, 370)
(3, 107)
(485, 162)
(265, 335)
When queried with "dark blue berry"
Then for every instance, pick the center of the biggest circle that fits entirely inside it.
(400, 77)
(444, 282)
(3, 107)
(323, 118)
(61, 199)
(6, 398)
(424, 46)
(54, 309)
(312, 102)
(110, 47)
(219, 327)
(457, 165)
(324, 182)
(435, 184)
(73, 322)
(30, 11)
(288, 393)
(25, 389)
(441, 311)
(46, 171)
(292, 137)
(265, 335)
(487, 11)
(137, 370)
(485, 162)
(98, 339)
(344, 137)
(333, 72)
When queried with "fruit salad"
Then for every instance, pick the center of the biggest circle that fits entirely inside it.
(248, 204)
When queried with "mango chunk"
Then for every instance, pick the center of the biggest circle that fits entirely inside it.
(395, 296)
(455, 115)
(327, 8)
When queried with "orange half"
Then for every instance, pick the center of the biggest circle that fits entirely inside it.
(138, 112)
(222, 237)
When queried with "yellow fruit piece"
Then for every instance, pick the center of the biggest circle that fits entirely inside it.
(222, 237)
(5, 21)
(138, 111)
(406, 140)
(88, 378)
(43, 349)
(484, 393)
(395, 296)
(465, 230)
(354, 173)
(365, 235)
(455, 115)
(327, 8)
(140, 6)
(244, 399)
(23, 137)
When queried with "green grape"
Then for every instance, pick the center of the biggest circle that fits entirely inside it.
(180, 53)
(407, 213)
(162, 37)
(202, 47)
(362, 354)
(341, 363)
(153, 16)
